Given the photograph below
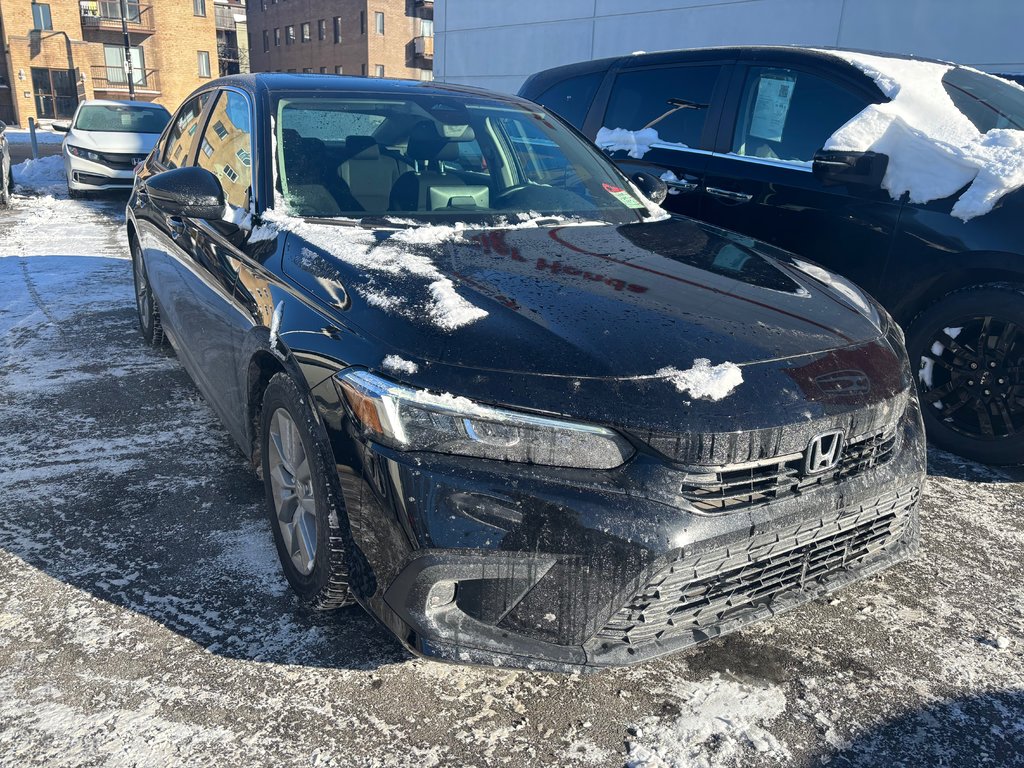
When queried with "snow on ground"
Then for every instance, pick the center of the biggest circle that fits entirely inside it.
(934, 149)
(43, 136)
(144, 620)
(42, 175)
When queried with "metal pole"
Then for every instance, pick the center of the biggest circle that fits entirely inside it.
(127, 50)
(32, 136)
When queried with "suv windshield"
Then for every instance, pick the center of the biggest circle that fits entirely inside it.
(438, 157)
(118, 118)
(988, 102)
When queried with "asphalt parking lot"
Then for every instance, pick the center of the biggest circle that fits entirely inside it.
(144, 620)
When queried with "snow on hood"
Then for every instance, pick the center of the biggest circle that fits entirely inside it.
(703, 380)
(934, 149)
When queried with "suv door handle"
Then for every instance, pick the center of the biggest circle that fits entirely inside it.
(682, 186)
(728, 194)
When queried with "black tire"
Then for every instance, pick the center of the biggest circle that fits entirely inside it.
(325, 587)
(145, 301)
(74, 194)
(967, 350)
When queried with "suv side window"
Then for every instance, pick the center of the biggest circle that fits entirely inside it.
(570, 99)
(786, 114)
(674, 101)
(226, 148)
(186, 122)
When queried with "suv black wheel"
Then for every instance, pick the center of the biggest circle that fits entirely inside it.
(303, 501)
(969, 351)
(145, 303)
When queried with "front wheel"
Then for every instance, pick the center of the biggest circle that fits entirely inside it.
(968, 349)
(145, 303)
(303, 503)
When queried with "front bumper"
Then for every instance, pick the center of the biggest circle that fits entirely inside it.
(543, 569)
(87, 176)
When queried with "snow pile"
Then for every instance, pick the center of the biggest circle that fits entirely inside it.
(720, 722)
(400, 365)
(703, 380)
(636, 143)
(46, 174)
(400, 255)
(934, 149)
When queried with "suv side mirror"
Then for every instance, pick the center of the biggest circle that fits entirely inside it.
(653, 188)
(3, 126)
(863, 168)
(192, 192)
(62, 127)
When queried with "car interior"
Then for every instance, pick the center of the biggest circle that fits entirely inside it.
(340, 157)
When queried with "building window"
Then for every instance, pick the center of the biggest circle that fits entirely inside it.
(41, 16)
(321, 29)
(379, 70)
(277, 37)
(244, 156)
(323, 70)
(427, 27)
(289, 34)
(337, 29)
(230, 173)
(304, 31)
(338, 70)
(307, 70)
(362, 22)
(204, 63)
(378, 21)
(363, 69)
(266, 40)
(199, 7)
(220, 130)
(207, 148)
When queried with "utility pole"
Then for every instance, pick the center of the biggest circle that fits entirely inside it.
(127, 50)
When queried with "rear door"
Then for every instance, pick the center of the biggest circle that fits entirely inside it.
(760, 182)
(663, 119)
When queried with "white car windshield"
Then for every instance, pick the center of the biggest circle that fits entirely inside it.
(118, 118)
(439, 157)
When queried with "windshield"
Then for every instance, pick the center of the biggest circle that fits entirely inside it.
(987, 101)
(119, 118)
(439, 158)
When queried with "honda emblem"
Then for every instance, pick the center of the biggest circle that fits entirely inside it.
(823, 452)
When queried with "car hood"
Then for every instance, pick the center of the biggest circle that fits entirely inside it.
(123, 143)
(580, 301)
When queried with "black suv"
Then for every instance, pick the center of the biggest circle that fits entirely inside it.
(958, 287)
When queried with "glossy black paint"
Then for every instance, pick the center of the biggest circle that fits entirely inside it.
(906, 255)
(579, 318)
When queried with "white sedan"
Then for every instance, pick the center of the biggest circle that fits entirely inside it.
(106, 140)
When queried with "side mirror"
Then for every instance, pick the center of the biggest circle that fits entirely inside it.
(863, 168)
(653, 188)
(191, 191)
(3, 126)
(62, 127)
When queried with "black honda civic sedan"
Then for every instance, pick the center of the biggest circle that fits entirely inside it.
(496, 395)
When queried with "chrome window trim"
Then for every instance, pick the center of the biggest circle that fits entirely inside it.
(764, 161)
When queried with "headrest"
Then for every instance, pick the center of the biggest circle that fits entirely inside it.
(437, 141)
(363, 147)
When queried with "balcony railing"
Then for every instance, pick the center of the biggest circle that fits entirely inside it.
(115, 79)
(105, 16)
(224, 16)
(424, 8)
(425, 47)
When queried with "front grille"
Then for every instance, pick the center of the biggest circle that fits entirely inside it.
(733, 488)
(696, 593)
(120, 162)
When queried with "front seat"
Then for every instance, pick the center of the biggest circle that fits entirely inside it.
(369, 174)
(427, 149)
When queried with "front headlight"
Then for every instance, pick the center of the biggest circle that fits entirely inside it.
(88, 154)
(416, 420)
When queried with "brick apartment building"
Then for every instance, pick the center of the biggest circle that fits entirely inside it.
(58, 52)
(232, 36)
(372, 38)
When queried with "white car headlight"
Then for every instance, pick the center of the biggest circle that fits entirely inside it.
(416, 420)
(88, 154)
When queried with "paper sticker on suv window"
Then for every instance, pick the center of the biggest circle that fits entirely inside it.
(622, 196)
(774, 93)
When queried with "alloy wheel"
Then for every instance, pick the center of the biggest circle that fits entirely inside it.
(972, 375)
(143, 296)
(293, 491)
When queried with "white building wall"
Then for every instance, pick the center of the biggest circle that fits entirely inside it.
(498, 43)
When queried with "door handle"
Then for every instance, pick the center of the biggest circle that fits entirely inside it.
(177, 227)
(728, 194)
(682, 186)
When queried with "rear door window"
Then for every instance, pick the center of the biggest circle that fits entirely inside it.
(674, 101)
(186, 123)
(788, 115)
(570, 99)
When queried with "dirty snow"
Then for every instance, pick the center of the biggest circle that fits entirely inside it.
(635, 143)
(934, 150)
(400, 365)
(45, 174)
(703, 380)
